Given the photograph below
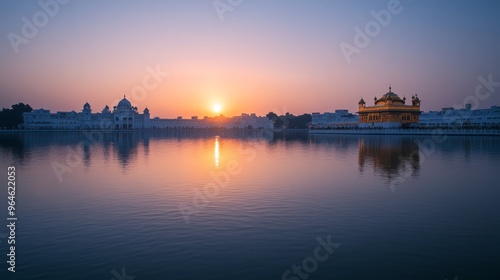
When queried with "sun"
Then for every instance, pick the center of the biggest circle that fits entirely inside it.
(216, 108)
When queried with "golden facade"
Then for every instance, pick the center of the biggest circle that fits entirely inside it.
(389, 111)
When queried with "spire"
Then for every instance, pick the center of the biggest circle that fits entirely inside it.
(124, 96)
(390, 88)
(361, 101)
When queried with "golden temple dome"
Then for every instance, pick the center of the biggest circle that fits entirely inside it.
(390, 98)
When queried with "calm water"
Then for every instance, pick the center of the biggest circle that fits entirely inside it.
(250, 205)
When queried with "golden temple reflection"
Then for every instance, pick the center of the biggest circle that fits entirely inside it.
(216, 151)
(390, 156)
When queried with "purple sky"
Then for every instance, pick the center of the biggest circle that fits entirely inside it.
(256, 56)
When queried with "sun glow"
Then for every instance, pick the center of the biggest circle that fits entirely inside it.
(216, 108)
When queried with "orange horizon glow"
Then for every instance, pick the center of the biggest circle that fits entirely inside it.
(255, 61)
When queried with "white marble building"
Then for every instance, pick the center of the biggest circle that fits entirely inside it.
(125, 116)
(450, 117)
(446, 118)
(340, 118)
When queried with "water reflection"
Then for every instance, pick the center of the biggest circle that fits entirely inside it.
(125, 146)
(388, 156)
(216, 151)
(391, 156)
(394, 157)
(129, 187)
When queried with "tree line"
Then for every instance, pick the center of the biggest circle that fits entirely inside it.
(12, 118)
(290, 121)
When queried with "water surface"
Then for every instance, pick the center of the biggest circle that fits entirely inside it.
(251, 204)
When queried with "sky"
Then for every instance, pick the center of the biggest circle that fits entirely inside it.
(180, 58)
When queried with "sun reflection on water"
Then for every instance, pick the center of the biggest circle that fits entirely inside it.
(216, 151)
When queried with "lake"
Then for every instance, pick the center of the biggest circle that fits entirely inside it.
(249, 204)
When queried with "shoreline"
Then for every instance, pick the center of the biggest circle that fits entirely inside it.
(378, 131)
(391, 131)
(131, 130)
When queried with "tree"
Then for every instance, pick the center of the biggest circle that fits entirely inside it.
(12, 118)
(300, 122)
(278, 123)
(291, 121)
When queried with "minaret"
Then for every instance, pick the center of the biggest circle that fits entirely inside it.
(361, 103)
(86, 111)
(146, 117)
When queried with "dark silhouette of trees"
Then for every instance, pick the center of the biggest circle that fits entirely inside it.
(301, 122)
(278, 123)
(290, 121)
(12, 118)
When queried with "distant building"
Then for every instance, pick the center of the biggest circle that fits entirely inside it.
(338, 119)
(389, 111)
(450, 117)
(125, 116)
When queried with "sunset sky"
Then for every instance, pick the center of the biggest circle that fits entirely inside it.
(255, 57)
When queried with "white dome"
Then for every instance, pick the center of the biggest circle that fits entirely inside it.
(124, 103)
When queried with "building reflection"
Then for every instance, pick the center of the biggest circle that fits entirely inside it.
(390, 156)
(124, 146)
(86, 154)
